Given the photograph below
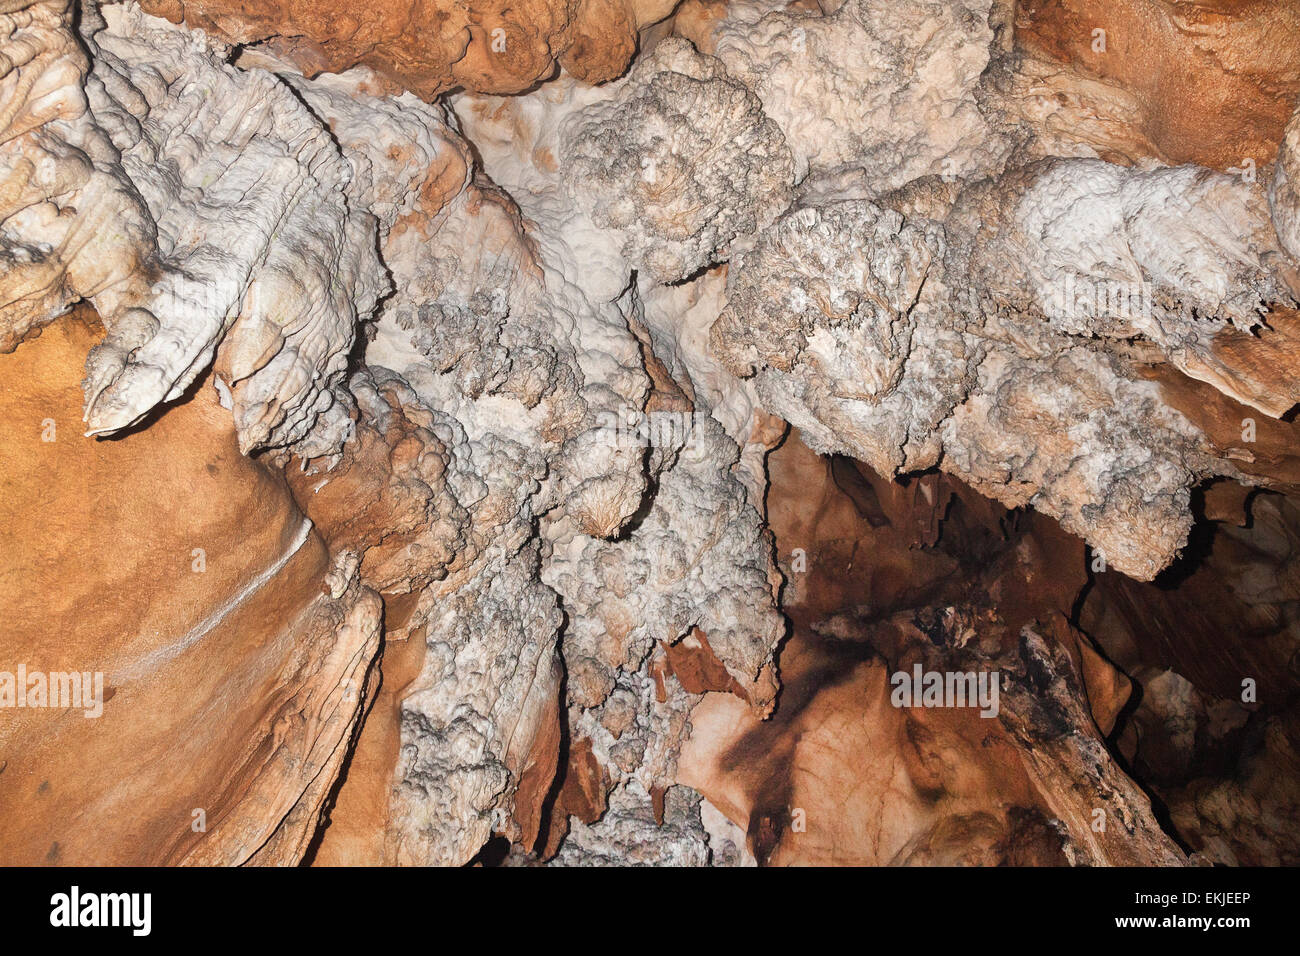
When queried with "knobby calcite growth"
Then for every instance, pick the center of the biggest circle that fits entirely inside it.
(680, 162)
(892, 89)
(435, 365)
(891, 359)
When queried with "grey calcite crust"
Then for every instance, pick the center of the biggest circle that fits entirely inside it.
(629, 834)
(529, 368)
(834, 313)
(973, 342)
(1083, 441)
(695, 560)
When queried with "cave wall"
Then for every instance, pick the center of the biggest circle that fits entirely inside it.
(440, 393)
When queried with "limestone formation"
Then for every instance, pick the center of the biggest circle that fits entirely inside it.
(543, 433)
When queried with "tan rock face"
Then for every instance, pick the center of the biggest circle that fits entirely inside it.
(353, 833)
(1211, 83)
(431, 46)
(234, 660)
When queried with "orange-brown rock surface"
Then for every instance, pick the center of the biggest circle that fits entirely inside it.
(1211, 82)
(1213, 647)
(841, 774)
(1187, 682)
(431, 46)
(235, 659)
